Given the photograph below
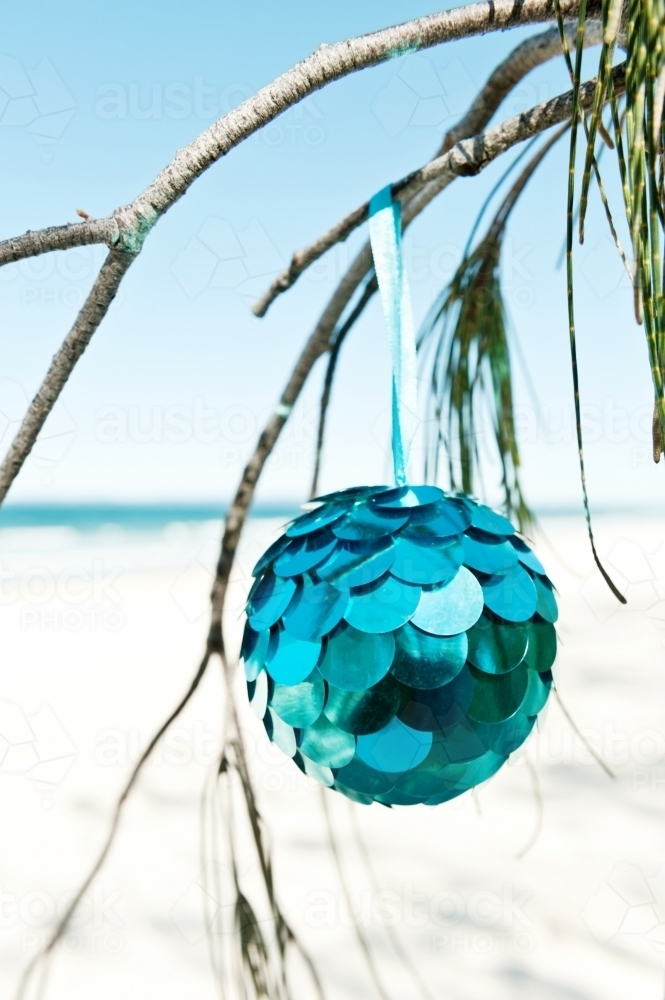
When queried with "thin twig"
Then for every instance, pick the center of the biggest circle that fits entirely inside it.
(399, 949)
(92, 312)
(538, 798)
(362, 940)
(596, 756)
(525, 57)
(466, 158)
(65, 919)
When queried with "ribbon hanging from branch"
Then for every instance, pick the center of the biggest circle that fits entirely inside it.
(385, 231)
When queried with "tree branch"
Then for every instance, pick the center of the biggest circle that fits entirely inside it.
(466, 158)
(522, 60)
(129, 225)
(78, 234)
(93, 311)
(318, 343)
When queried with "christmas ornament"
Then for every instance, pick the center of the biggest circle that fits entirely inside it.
(399, 641)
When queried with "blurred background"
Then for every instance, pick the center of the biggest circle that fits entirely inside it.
(110, 534)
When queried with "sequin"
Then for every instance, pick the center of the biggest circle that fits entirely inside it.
(488, 557)
(259, 694)
(313, 770)
(269, 602)
(542, 646)
(364, 523)
(452, 608)
(320, 517)
(427, 661)
(426, 564)
(300, 704)
(496, 697)
(546, 606)
(408, 496)
(363, 712)
(537, 691)
(355, 660)
(497, 647)
(511, 596)
(488, 520)
(291, 660)
(303, 554)
(364, 779)
(315, 610)
(526, 556)
(394, 748)
(253, 651)
(325, 744)
(280, 733)
(382, 606)
(439, 707)
(359, 565)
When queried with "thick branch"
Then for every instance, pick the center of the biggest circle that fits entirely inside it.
(524, 58)
(318, 343)
(327, 64)
(93, 311)
(78, 234)
(129, 226)
(466, 158)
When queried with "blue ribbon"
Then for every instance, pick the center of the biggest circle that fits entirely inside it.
(385, 231)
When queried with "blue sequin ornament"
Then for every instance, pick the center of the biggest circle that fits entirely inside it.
(399, 642)
(413, 685)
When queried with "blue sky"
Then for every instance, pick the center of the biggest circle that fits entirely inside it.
(169, 398)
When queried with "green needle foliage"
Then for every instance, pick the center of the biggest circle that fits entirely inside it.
(467, 335)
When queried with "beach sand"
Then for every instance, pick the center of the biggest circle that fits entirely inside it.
(101, 633)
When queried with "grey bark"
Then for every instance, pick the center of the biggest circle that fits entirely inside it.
(545, 115)
(128, 227)
(93, 311)
(525, 57)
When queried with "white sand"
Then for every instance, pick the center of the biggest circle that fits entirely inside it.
(91, 669)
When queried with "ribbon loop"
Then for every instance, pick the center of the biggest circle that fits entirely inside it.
(385, 231)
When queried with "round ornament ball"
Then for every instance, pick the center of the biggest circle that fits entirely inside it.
(399, 643)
